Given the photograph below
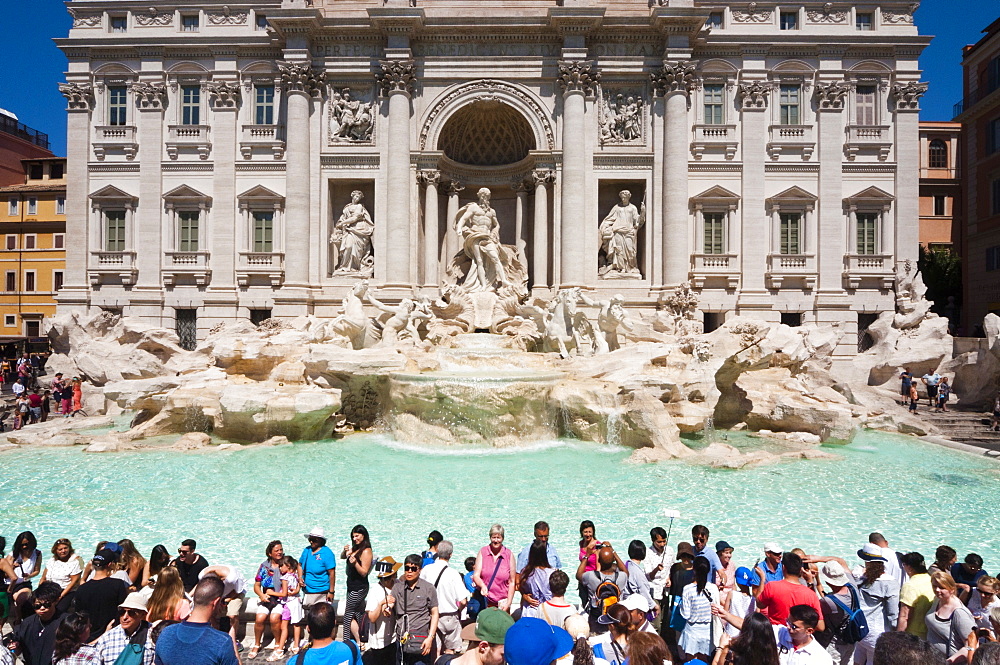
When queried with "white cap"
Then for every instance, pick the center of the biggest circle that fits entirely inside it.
(636, 601)
(774, 548)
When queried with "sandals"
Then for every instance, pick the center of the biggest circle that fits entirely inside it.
(279, 654)
(293, 651)
(253, 652)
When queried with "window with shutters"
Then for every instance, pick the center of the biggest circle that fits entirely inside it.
(867, 233)
(114, 230)
(187, 221)
(715, 233)
(263, 231)
(791, 233)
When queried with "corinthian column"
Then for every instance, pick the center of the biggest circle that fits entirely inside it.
(225, 105)
(674, 82)
(300, 83)
(540, 230)
(906, 104)
(397, 80)
(430, 179)
(79, 103)
(147, 239)
(578, 79)
(450, 237)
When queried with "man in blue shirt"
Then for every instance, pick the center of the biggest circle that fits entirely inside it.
(542, 534)
(321, 619)
(699, 534)
(319, 569)
(194, 641)
(967, 574)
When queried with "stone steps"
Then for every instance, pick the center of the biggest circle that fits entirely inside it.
(968, 427)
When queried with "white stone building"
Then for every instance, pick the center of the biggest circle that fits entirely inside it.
(213, 147)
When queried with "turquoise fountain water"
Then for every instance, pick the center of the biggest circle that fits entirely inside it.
(234, 503)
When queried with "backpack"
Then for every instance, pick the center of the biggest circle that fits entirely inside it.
(132, 654)
(607, 594)
(855, 625)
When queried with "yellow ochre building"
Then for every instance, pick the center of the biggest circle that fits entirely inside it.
(32, 249)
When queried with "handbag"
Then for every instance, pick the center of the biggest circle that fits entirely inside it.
(477, 595)
(677, 622)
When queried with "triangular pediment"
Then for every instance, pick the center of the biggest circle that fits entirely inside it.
(716, 193)
(260, 193)
(110, 192)
(872, 194)
(187, 193)
(793, 195)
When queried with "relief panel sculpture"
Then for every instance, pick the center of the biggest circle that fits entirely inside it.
(622, 116)
(351, 119)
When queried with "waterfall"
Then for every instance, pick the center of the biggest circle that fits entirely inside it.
(615, 423)
(709, 435)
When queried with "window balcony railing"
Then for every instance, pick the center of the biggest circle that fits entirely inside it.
(191, 264)
(791, 138)
(115, 137)
(189, 136)
(860, 267)
(800, 267)
(107, 265)
(705, 267)
(709, 137)
(267, 137)
(268, 265)
(868, 137)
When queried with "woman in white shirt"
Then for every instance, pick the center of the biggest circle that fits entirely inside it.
(65, 569)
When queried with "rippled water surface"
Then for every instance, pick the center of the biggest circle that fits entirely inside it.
(233, 503)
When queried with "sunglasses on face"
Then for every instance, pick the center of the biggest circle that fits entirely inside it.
(184, 552)
(42, 605)
(123, 611)
(411, 567)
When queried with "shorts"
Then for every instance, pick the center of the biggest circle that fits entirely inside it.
(264, 610)
(235, 606)
(450, 631)
(292, 612)
(931, 391)
(313, 598)
(905, 390)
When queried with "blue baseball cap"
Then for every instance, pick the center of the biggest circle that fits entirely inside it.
(746, 577)
(532, 641)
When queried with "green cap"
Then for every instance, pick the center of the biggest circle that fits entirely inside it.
(491, 626)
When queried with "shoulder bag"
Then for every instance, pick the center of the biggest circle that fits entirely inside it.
(478, 597)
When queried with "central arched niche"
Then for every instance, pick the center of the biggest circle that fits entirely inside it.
(487, 133)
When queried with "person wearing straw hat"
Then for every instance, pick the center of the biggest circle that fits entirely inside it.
(382, 645)
(319, 569)
(835, 576)
(486, 638)
(132, 629)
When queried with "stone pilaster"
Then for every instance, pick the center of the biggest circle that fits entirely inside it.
(451, 243)
(300, 84)
(753, 99)
(397, 79)
(225, 101)
(578, 79)
(431, 180)
(831, 243)
(147, 236)
(674, 82)
(79, 104)
(905, 101)
(540, 230)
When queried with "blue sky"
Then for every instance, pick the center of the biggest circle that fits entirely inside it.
(31, 65)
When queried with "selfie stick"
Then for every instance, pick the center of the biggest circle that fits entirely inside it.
(672, 514)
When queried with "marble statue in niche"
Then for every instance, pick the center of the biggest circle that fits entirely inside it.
(619, 235)
(351, 120)
(351, 240)
(477, 225)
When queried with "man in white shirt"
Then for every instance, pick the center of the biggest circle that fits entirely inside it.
(796, 644)
(657, 563)
(381, 646)
(891, 560)
(452, 597)
(234, 594)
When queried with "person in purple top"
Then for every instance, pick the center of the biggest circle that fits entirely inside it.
(194, 641)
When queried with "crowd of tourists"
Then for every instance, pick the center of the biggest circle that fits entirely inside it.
(643, 604)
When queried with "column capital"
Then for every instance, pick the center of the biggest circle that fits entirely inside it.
(832, 96)
(542, 177)
(79, 96)
(396, 76)
(578, 75)
(150, 95)
(301, 77)
(521, 186)
(225, 95)
(675, 76)
(429, 177)
(753, 95)
(907, 96)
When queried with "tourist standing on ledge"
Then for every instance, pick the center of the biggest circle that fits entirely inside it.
(659, 557)
(382, 644)
(194, 641)
(533, 581)
(452, 596)
(416, 611)
(319, 569)
(698, 638)
(906, 382)
(358, 556)
(542, 534)
(189, 564)
(931, 380)
(494, 571)
(638, 583)
(588, 553)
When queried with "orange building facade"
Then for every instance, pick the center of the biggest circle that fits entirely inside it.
(32, 247)
(979, 114)
(940, 185)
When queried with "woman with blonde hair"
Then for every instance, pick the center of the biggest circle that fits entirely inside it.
(168, 601)
(132, 562)
(65, 569)
(949, 622)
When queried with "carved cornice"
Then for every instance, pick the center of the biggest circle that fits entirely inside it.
(85, 20)
(153, 18)
(225, 95)
(228, 16)
(578, 75)
(907, 96)
(150, 96)
(396, 76)
(832, 96)
(896, 17)
(751, 14)
(301, 77)
(79, 96)
(675, 76)
(827, 15)
(753, 95)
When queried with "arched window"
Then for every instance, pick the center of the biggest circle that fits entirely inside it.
(938, 156)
